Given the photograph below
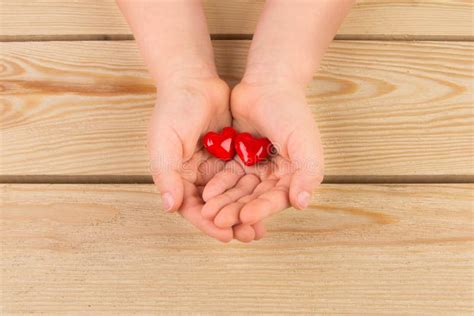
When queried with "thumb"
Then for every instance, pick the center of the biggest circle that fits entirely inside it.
(170, 185)
(166, 164)
(308, 162)
(302, 185)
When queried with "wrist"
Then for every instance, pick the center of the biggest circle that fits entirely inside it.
(258, 74)
(176, 73)
(248, 96)
(210, 93)
(271, 80)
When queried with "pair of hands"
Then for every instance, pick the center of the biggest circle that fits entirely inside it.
(228, 200)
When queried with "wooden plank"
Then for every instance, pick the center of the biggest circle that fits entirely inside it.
(385, 109)
(360, 249)
(434, 19)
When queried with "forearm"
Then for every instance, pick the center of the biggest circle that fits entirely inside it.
(291, 38)
(172, 36)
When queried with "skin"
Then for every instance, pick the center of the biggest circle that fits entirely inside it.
(288, 45)
(229, 200)
(191, 100)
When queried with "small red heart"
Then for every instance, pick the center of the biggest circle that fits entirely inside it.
(221, 145)
(252, 150)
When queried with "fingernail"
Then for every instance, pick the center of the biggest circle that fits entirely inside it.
(167, 200)
(303, 199)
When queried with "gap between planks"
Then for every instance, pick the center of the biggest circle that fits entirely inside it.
(144, 179)
(129, 37)
(375, 248)
(406, 113)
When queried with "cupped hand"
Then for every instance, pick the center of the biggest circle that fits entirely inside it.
(239, 196)
(186, 109)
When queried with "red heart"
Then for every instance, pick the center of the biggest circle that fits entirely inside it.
(220, 145)
(252, 150)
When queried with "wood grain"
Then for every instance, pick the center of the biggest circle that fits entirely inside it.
(359, 249)
(89, 19)
(401, 109)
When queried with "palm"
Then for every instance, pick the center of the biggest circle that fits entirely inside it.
(282, 116)
(196, 173)
(180, 166)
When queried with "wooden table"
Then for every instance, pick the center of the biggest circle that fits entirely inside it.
(390, 230)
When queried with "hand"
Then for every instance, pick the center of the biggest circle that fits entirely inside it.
(240, 196)
(185, 109)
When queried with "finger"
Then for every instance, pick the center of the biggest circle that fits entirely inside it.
(266, 204)
(223, 180)
(193, 215)
(264, 186)
(309, 164)
(170, 186)
(191, 210)
(229, 215)
(208, 169)
(244, 233)
(301, 188)
(260, 230)
(262, 170)
(166, 161)
(244, 186)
